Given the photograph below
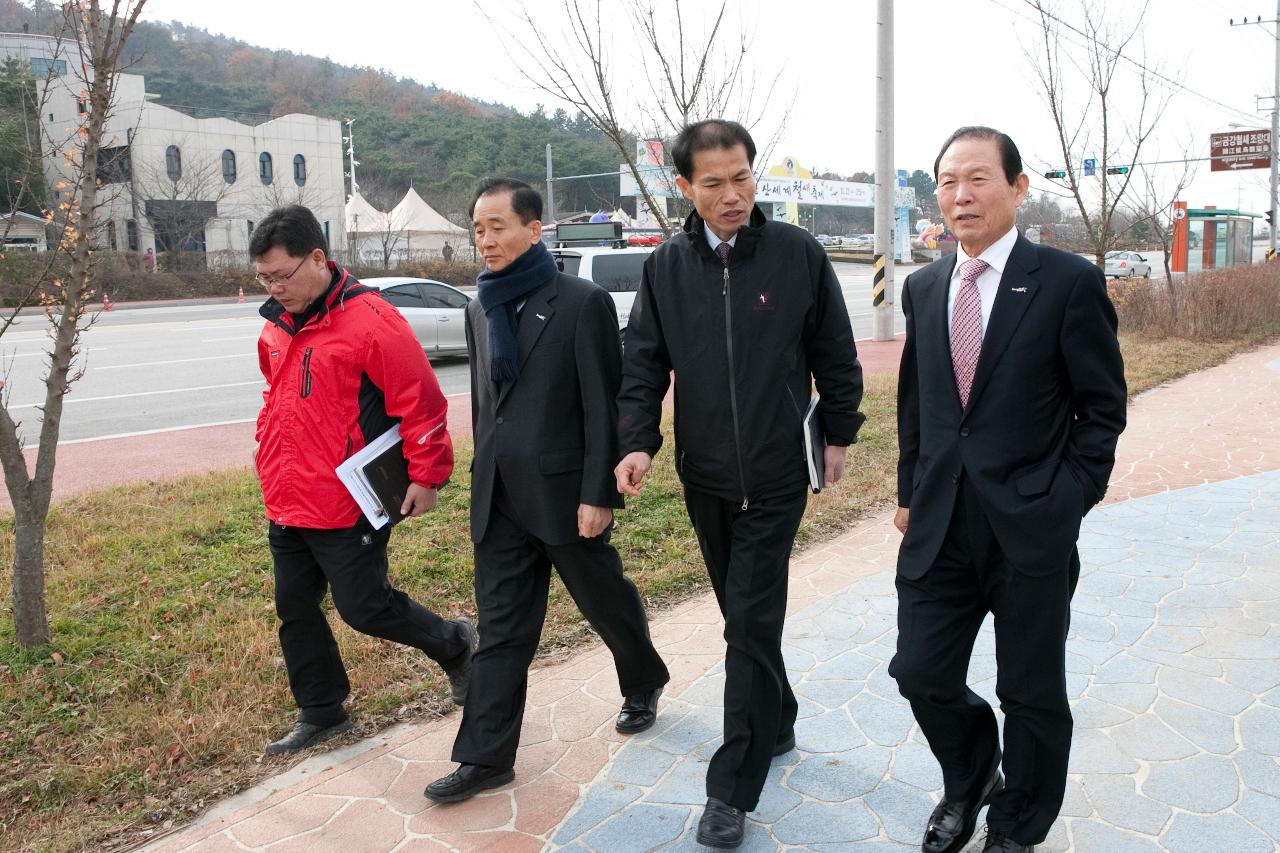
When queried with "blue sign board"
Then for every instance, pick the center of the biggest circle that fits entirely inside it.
(1090, 167)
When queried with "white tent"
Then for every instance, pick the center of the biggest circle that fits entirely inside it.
(426, 232)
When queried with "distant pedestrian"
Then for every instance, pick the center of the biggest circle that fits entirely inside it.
(342, 367)
(447, 253)
(1011, 396)
(748, 314)
(149, 260)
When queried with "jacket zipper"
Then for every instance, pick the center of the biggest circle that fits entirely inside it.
(306, 373)
(733, 385)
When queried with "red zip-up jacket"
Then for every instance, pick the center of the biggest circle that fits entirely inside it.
(348, 375)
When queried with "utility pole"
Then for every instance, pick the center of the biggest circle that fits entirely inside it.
(1275, 117)
(551, 189)
(351, 153)
(886, 177)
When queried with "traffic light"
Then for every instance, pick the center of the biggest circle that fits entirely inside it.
(1269, 215)
(1118, 170)
(1058, 174)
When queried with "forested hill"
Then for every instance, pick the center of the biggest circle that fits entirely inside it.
(406, 132)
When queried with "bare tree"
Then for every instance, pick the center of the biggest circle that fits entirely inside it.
(98, 38)
(1153, 209)
(1108, 124)
(693, 75)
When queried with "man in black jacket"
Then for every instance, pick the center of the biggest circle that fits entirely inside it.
(745, 312)
(545, 367)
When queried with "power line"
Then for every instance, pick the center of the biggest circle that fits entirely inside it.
(1156, 74)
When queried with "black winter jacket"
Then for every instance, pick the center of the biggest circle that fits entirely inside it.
(772, 319)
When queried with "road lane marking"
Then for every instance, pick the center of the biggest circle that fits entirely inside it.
(226, 340)
(145, 432)
(71, 400)
(175, 361)
(177, 428)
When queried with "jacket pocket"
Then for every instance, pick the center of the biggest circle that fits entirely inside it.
(1038, 480)
(305, 385)
(560, 462)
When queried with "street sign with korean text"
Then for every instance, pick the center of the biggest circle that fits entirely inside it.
(1090, 167)
(1240, 149)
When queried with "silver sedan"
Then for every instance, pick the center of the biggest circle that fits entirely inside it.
(435, 311)
(1125, 265)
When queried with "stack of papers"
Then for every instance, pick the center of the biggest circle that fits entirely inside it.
(377, 476)
(814, 446)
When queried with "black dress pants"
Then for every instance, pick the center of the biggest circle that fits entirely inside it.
(747, 553)
(938, 620)
(513, 574)
(352, 563)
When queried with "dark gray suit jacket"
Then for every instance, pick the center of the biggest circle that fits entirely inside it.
(1048, 402)
(551, 433)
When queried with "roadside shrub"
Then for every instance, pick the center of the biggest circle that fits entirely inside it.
(1213, 305)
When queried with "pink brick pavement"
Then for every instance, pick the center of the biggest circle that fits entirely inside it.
(1215, 425)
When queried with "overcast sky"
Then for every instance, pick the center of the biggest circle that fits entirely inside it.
(957, 62)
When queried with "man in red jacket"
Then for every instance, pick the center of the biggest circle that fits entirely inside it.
(342, 367)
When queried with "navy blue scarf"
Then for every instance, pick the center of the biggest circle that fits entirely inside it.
(500, 293)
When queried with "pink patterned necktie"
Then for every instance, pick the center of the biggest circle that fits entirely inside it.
(966, 327)
(723, 251)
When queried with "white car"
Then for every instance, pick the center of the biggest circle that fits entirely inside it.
(436, 311)
(1125, 265)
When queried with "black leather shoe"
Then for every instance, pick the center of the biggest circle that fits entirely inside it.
(721, 825)
(467, 781)
(998, 841)
(952, 824)
(785, 745)
(305, 735)
(460, 674)
(639, 711)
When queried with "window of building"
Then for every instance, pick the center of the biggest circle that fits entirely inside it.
(299, 169)
(229, 166)
(249, 222)
(264, 168)
(111, 235)
(115, 165)
(173, 162)
(327, 244)
(81, 106)
(131, 234)
(41, 66)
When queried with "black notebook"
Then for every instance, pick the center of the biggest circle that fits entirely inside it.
(814, 446)
(377, 476)
(387, 475)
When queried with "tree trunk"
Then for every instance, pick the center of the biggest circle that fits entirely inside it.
(30, 618)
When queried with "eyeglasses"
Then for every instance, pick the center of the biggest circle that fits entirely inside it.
(267, 281)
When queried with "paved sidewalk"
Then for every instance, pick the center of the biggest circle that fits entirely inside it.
(1173, 675)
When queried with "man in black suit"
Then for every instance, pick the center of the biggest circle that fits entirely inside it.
(546, 363)
(1011, 397)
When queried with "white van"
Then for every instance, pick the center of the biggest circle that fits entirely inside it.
(603, 256)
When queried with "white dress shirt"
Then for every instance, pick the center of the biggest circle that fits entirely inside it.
(997, 257)
(713, 241)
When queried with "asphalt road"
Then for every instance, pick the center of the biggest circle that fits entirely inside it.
(168, 367)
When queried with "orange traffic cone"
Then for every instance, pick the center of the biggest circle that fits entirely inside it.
(240, 298)
(106, 301)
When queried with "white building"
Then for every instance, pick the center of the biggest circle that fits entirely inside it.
(22, 232)
(174, 182)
